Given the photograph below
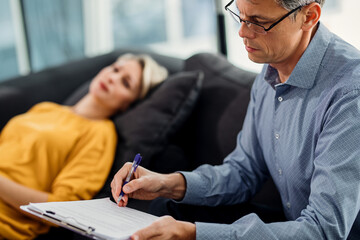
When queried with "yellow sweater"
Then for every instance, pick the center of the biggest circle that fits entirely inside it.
(51, 149)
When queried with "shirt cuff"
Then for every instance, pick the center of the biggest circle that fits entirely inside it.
(195, 190)
(212, 231)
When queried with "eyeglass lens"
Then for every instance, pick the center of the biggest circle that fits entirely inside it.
(251, 26)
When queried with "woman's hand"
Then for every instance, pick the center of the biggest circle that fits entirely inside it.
(166, 228)
(16, 194)
(147, 185)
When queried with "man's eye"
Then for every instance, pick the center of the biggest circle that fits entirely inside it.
(116, 69)
(264, 23)
(261, 23)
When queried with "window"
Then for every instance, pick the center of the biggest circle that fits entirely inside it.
(176, 27)
(138, 22)
(49, 33)
(199, 18)
(8, 58)
(54, 30)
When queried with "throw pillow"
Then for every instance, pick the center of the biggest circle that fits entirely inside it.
(146, 127)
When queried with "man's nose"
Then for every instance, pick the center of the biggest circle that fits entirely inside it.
(245, 32)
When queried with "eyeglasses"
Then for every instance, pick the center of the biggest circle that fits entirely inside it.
(257, 28)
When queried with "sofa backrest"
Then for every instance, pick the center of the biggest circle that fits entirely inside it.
(210, 132)
(57, 83)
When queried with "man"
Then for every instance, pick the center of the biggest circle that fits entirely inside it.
(302, 128)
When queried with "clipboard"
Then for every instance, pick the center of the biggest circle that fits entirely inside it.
(97, 219)
(52, 217)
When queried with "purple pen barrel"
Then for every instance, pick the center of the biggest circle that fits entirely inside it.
(134, 166)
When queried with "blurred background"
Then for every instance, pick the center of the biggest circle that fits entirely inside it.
(37, 34)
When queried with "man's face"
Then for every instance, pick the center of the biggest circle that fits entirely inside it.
(278, 45)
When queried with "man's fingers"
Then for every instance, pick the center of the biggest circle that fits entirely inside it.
(113, 192)
(134, 185)
(150, 232)
(123, 201)
(116, 183)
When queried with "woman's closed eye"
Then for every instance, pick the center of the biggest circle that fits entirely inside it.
(126, 82)
(116, 68)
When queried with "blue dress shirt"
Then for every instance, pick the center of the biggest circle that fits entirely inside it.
(305, 134)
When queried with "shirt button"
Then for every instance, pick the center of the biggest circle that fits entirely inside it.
(280, 99)
(288, 205)
(280, 172)
(277, 136)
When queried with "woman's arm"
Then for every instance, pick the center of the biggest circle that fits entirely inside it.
(16, 194)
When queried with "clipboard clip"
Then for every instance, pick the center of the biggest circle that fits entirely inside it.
(70, 221)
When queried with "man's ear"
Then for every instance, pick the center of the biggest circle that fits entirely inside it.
(312, 13)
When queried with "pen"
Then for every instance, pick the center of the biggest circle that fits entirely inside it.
(135, 164)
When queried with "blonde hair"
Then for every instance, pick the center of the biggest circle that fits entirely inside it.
(152, 74)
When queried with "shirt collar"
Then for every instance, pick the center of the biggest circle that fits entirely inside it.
(304, 73)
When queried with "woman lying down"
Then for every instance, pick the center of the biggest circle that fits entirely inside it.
(64, 153)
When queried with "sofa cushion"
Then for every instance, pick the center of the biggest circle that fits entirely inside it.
(210, 133)
(147, 127)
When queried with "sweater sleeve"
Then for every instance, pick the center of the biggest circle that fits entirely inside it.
(87, 165)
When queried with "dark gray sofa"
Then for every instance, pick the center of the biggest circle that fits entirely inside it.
(207, 134)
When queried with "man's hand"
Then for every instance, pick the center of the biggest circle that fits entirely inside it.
(147, 185)
(166, 228)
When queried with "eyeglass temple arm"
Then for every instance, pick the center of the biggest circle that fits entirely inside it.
(288, 14)
(227, 5)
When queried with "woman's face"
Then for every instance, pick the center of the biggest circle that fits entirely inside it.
(118, 85)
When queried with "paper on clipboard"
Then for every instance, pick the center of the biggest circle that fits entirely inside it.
(98, 218)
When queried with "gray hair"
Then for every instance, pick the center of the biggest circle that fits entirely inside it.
(292, 4)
